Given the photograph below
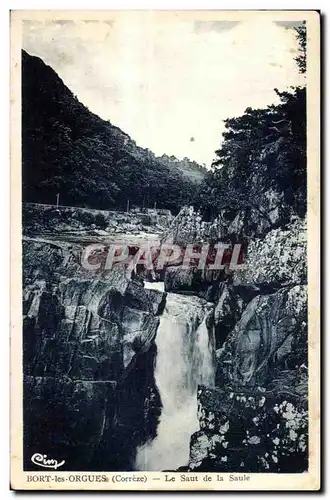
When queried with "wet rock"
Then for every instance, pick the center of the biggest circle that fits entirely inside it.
(139, 330)
(138, 297)
(256, 420)
(201, 282)
(178, 279)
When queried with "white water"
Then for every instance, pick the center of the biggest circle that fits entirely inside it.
(184, 360)
(154, 285)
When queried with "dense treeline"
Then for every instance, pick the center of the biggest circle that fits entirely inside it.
(67, 149)
(267, 144)
(263, 154)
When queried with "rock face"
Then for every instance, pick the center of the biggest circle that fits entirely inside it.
(251, 431)
(262, 339)
(256, 419)
(277, 260)
(90, 395)
(189, 227)
(89, 352)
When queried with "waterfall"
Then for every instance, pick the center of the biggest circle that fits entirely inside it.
(184, 360)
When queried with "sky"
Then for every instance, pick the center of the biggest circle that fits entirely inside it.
(169, 82)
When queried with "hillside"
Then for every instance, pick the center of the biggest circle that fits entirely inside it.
(189, 168)
(69, 150)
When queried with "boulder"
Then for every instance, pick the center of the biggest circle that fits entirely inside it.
(138, 297)
(259, 431)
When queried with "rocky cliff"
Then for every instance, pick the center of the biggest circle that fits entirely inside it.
(256, 417)
(252, 431)
(90, 351)
(89, 391)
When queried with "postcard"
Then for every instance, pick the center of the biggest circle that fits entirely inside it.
(165, 242)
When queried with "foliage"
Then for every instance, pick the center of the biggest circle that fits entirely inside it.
(301, 35)
(263, 149)
(263, 152)
(68, 150)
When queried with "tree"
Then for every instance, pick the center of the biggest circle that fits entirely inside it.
(91, 162)
(263, 149)
(301, 35)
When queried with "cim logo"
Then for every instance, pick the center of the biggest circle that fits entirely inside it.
(47, 463)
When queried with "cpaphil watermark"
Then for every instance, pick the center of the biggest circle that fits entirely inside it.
(155, 257)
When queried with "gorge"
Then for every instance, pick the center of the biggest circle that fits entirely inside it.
(187, 370)
(205, 371)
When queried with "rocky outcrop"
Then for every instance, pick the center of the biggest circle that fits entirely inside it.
(231, 225)
(187, 227)
(204, 283)
(61, 220)
(256, 420)
(252, 431)
(277, 260)
(227, 312)
(263, 338)
(89, 357)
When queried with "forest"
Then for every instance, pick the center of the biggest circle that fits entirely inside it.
(67, 149)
